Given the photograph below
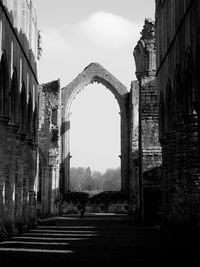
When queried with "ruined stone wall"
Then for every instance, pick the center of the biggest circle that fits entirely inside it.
(178, 76)
(149, 155)
(94, 72)
(49, 147)
(151, 150)
(134, 147)
(18, 114)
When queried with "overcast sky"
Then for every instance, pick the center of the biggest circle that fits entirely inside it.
(76, 33)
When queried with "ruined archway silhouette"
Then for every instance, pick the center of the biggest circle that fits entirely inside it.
(94, 72)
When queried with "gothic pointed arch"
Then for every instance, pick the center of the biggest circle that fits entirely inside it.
(139, 55)
(4, 86)
(177, 95)
(23, 110)
(94, 72)
(14, 95)
(169, 107)
(35, 123)
(197, 76)
(29, 116)
(162, 126)
(188, 82)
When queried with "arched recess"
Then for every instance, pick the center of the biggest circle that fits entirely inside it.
(169, 107)
(29, 116)
(94, 73)
(140, 58)
(197, 77)
(4, 85)
(23, 110)
(14, 98)
(197, 86)
(162, 126)
(177, 96)
(188, 83)
(35, 123)
(190, 109)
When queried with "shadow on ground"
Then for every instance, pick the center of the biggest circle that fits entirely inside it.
(103, 241)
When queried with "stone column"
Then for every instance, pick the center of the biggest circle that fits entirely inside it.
(65, 183)
(26, 162)
(19, 174)
(3, 133)
(32, 208)
(193, 167)
(32, 179)
(45, 191)
(181, 163)
(124, 150)
(9, 173)
(165, 179)
(51, 193)
(171, 177)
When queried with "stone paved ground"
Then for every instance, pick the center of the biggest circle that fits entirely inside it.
(100, 241)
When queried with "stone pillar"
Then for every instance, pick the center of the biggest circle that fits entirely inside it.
(181, 161)
(32, 179)
(32, 208)
(65, 187)
(171, 181)
(193, 167)
(19, 174)
(26, 163)
(124, 150)
(3, 132)
(165, 179)
(51, 190)
(9, 173)
(2, 200)
(45, 191)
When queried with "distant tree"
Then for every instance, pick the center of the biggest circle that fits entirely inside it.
(97, 180)
(112, 180)
(82, 179)
(77, 178)
(88, 181)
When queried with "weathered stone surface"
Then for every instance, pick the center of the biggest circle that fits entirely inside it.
(178, 77)
(149, 149)
(95, 73)
(49, 147)
(18, 116)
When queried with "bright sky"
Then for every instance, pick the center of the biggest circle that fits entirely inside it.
(76, 33)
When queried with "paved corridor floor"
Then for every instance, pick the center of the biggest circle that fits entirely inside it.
(99, 241)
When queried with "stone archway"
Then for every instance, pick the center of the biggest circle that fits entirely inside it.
(94, 72)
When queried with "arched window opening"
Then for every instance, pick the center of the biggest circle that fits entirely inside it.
(4, 107)
(95, 141)
(30, 116)
(197, 79)
(23, 109)
(188, 86)
(1, 91)
(162, 115)
(95, 73)
(169, 107)
(35, 123)
(14, 98)
(177, 96)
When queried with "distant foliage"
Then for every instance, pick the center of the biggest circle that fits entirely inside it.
(82, 179)
(108, 196)
(76, 197)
